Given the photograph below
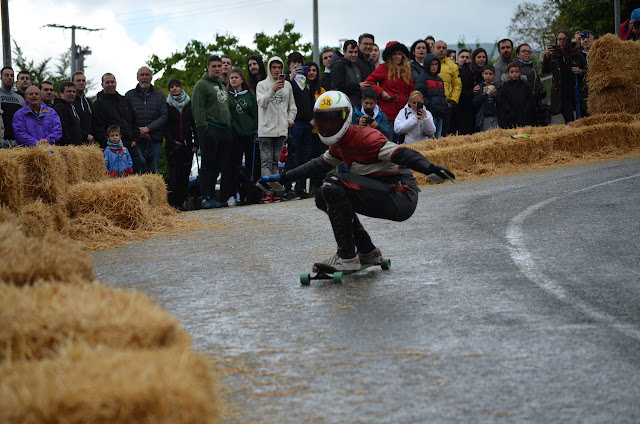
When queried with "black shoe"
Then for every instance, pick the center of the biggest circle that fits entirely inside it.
(304, 195)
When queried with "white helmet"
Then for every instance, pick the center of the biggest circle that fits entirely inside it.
(332, 115)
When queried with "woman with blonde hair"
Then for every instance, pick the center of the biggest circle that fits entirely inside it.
(393, 79)
(414, 120)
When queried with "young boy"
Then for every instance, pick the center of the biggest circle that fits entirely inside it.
(116, 157)
(369, 114)
(484, 100)
(514, 99)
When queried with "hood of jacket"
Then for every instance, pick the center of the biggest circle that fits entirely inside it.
(59, 101)
(505, 78)
(270, 77)
(427, 60)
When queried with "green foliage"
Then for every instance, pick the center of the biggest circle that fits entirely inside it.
(189, 65)
(534, 24)
(40, 71)
(596, 15)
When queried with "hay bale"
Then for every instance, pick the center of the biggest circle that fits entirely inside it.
(39, 218)
(26, 260)
(11, 192)
(502, 154)
(121, 200)
(95, 232)
(40, 320)
(72, 159)
(91, 163)
(612, 63)
(601, 119)
(43, 174)
(615, 100)
(108, 386)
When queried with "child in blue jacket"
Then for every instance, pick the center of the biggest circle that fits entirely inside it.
(432, 88)
(116, 157)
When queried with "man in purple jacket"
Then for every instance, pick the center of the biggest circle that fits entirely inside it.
(36, 123)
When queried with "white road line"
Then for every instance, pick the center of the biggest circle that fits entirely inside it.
(526, 263)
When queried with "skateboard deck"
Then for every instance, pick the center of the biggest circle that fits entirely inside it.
(326, 272)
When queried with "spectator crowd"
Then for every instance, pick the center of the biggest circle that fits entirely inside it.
(248, 126)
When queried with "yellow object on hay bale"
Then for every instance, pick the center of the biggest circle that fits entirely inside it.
(613, 63)
(124, 201)
(26, 260)
(11, 192)
(110, 386)
(40, 320)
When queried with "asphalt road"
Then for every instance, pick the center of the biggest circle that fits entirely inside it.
(511, 299)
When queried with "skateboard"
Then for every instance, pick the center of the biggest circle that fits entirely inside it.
(326, 272)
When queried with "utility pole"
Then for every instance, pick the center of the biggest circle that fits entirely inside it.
(316, 41)
(6, 34)
(74, 48)
(616, 18)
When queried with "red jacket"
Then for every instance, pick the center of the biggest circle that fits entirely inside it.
(396, 88)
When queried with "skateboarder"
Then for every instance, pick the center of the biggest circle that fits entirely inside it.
(380, 184)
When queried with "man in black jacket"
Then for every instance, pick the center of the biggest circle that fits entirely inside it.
(84, 107)
(345, 75)
(151, 112)
(112, 108)
(364, 62)
(71, 133)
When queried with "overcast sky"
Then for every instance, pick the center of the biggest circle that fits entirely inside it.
(135, 30)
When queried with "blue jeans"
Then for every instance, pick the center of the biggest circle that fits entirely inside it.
(438, 124)
(139, 156)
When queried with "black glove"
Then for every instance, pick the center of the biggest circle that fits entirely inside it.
(439, 174)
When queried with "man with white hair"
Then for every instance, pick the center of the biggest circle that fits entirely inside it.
(151, 118)
(36, 122)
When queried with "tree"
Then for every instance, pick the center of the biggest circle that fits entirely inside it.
(189, 65)
(596, 15)
(534, 24)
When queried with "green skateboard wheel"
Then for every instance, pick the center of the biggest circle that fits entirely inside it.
(385, 264)
(305, 279)
(337, 277)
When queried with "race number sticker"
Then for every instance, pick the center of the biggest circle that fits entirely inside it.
(326, 103)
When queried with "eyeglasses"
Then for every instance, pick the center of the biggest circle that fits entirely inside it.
(525, 51)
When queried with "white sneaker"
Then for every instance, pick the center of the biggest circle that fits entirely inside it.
(339, 264)
(231, 202)
(372, 258)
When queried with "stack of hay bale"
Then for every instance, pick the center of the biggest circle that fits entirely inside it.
(65, 190)
(72, 350)
(614, 76)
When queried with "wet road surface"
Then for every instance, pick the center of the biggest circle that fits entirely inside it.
(511, 299)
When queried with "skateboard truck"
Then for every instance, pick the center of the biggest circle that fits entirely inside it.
(326, 272)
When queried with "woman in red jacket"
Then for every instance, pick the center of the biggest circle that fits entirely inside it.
(394, 81)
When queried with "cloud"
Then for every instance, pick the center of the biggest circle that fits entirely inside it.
(114, 48)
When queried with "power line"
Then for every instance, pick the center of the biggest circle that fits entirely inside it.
(74, 48)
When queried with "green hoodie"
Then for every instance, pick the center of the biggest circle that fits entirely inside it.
(210, 103)
(244, 113)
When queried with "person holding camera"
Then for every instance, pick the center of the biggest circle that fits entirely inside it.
(630, 29)
(414, 121)
(369, 114)
(568, 69)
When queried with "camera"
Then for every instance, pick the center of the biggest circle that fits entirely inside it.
(420, 105)
(282, 77)
(636, 24)
(304, 69)
(369, 120)
(585, 34)
(556, 47)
